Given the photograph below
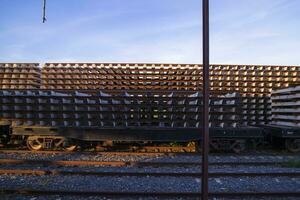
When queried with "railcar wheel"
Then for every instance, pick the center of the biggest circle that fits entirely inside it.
(64, 144)
(70, 148)
(68, 145)
(34, 143)
(293, 145)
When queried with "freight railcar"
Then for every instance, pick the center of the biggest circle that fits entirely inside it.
(65, 105)
(47, 119)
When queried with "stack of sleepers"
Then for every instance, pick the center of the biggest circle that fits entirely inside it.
(244, 79)
(20, 76)
(117, 109)
(225, 110)
(256, 109)
(286, 106)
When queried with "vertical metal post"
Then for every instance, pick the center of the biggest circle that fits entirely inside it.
(44, 11)
(205, 130)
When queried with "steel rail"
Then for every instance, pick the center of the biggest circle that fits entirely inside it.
(104, 153)
(139, 153)
(138, 174)
(163, 150)
(129, 163)
(145, 194)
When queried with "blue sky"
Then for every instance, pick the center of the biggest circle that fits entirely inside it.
(159, 31)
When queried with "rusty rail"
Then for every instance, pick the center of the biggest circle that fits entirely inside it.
(122, 163)
(146, 194)
(175, 174)
(185, 151)
(138, 153)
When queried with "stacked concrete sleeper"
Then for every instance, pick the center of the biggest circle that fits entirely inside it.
(253, 83)
(20, 76)
(114, 110)
(286, 106)
(225, 78)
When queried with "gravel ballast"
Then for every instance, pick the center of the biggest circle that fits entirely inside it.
(147, 183)
(161, 158)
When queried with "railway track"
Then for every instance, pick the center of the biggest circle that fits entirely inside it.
(106, 153)
(148, 194)
(133, 194)
(122, 149)
(138, 153)
(181, 174)
(127, 163)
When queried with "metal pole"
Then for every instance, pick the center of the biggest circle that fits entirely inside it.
(44, 11)
(205, 130)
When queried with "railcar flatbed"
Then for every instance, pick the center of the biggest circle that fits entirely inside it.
(138, 133)
(282, 131)
(287, 134)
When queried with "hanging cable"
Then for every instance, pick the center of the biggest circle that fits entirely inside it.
(44, 11)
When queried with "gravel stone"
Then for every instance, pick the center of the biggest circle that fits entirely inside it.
(147, 183)
(163, 158)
